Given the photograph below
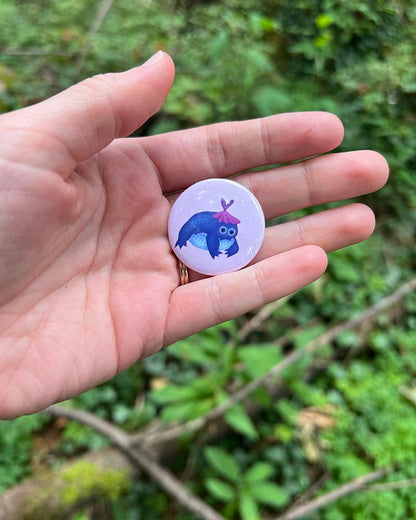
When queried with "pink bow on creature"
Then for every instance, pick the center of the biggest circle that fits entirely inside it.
(224, 216)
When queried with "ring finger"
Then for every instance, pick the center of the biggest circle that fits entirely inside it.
(331, 229)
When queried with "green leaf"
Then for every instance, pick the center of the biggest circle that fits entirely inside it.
(323, 21)
(283, 432)
(198, 389)
(121, 413)
(348, 338)
(223, 463)
(381, 340)
(237, 418)
(259, 471)
(7, 76)
(268, 493)
(173, 393)
(80, 515)
(268, 24)
(193, 352)
(186, 410)
(219, 489)
(248, 508)
(259, 359)
(305, 336)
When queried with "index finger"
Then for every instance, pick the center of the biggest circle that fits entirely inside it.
(223, 149)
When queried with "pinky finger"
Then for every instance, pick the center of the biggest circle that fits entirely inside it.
(207, 302)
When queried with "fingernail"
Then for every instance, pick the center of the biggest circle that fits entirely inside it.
(154, 59)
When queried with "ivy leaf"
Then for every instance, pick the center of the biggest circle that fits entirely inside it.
(186, 350)
(223, 463)
(186, 410)
(258, 472)
(268, 493)
(248, 508)
(259, 359)
(199, 389)
(237, 418)
(173, 393)
(348, 338)
(324, 20)
(305, 336)
(219, 489)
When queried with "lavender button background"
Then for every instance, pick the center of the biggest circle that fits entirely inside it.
(206, 196)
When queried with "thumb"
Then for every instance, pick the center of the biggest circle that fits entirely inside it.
(80, 121)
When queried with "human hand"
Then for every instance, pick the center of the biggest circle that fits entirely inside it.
(88, 282)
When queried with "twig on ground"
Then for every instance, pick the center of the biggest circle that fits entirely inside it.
(409, 394)
(95, 26)
(308, 494)
(168, 482)
(325, 338)
(324, 500)
(32, 51)
(388, 486)
(260, 317)
(108, 430)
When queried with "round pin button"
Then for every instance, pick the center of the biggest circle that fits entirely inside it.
(216, 226)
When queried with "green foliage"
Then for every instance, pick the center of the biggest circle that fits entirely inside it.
(143, 501)
(79, 515)
(16, 448)
(185, 402)
(374, 392)
(237, 418)
(235, 60)
(77, 437)
(258, 359)
(224, 464)
(375, 425)
(243, 491)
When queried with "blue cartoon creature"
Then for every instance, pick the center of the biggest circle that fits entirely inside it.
(215, 232)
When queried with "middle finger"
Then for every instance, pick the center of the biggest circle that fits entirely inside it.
(328, 178)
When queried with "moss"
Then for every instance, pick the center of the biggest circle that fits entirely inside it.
(83, 479)
(56, 494)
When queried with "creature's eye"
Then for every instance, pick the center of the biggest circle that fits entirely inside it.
(223, 230)
(231, 232)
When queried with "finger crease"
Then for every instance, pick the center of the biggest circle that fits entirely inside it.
(309, 178)
(265, 140)
(214, 298)
(261, 283)
(216, 152)
(301, 231)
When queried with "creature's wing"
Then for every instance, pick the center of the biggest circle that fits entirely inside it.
(233, 249)
(213, 243)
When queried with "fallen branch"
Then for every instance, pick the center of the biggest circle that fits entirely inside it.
(388, 486)
(95, 26)
(324, 500)
(310, 492)
(32, 51)
(124, 441)
(260, 317)
(276, 370)
(358, 484)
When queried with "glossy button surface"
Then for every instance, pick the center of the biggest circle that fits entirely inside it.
(216, 226)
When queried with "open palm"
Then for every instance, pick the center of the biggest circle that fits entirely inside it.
(88, 282)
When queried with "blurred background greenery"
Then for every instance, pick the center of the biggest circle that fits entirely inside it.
(234, 60)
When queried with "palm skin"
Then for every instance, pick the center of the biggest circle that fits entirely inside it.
(88, 281)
